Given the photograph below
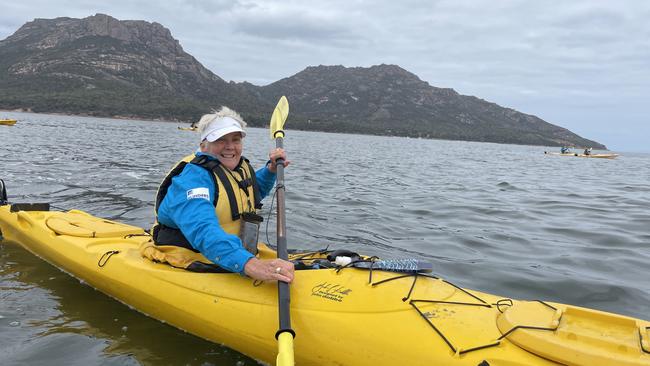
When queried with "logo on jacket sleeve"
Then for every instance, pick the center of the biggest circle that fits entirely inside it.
(198, 193)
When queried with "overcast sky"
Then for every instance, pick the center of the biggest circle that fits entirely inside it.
(579, 64)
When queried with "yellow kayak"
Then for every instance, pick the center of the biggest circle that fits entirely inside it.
(595, 156)
(187, 128)
(341, 315)
(7, 122)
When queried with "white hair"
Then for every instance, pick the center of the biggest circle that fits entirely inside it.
(224, 111)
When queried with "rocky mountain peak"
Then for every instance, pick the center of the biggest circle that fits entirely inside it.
(391, 100)
(43, 34)
(100, 49)
(375, 71)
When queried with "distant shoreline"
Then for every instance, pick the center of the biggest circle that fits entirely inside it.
(189, 123)
(21, 110)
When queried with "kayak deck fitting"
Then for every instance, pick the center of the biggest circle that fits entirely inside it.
(342, 315)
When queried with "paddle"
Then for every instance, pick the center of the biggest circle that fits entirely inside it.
(285, 334)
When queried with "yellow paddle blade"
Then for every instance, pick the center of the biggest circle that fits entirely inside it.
(285, 348)
(278, 118)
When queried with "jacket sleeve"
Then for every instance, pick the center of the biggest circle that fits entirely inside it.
(188, 207)
(265, 180)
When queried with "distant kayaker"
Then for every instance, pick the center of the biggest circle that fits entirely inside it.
(208, 201)
(588, 151)
(564, 150)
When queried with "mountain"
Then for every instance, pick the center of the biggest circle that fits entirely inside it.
(106, 67)
(389, 100)
(128, 68)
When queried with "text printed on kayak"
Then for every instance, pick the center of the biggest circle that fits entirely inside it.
(330, 291)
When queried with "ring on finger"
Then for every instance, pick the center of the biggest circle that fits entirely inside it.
(278, 270)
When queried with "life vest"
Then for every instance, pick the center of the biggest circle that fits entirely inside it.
(237, 189)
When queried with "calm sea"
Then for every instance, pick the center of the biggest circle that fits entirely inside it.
(503, 219)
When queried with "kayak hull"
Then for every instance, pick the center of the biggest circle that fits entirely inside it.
(341, 317)
(7, 122)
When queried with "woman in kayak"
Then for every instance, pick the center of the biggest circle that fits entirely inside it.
(208, 201)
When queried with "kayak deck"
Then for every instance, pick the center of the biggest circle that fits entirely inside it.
(341, 315)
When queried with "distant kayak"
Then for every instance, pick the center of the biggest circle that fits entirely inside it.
(187, 128)
(596, 156)
(7, 122)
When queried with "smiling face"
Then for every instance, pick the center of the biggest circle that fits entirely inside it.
(227, 149)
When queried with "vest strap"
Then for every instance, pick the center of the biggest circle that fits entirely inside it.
(213, 166)
(257, 196)
(166, 183)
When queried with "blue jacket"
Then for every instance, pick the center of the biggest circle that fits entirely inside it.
(196, 218)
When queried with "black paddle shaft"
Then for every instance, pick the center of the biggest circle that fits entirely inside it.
(284, 298)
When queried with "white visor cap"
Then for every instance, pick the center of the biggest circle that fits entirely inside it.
(220, 127)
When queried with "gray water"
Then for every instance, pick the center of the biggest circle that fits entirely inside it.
(503, 219)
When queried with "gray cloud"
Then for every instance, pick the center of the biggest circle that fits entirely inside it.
(290, 25)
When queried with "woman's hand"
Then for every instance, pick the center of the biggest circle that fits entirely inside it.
(276, 154)
(269, 269)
